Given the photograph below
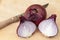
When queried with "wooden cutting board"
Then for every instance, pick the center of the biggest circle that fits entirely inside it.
(10, 8)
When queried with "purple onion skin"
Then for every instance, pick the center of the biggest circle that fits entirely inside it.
(53, 16)
(17, 31)
(22, 19)
(36, 13)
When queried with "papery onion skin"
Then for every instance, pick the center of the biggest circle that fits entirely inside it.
(36, 9)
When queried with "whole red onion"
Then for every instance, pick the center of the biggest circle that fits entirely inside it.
(36, 13)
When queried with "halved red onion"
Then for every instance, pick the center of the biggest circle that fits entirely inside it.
(26, 28)
(48, 27)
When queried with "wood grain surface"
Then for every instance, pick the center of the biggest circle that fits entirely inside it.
(10, 8)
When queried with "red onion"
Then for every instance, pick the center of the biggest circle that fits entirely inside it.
(36, 13)
(26, 28)
(48, 27)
